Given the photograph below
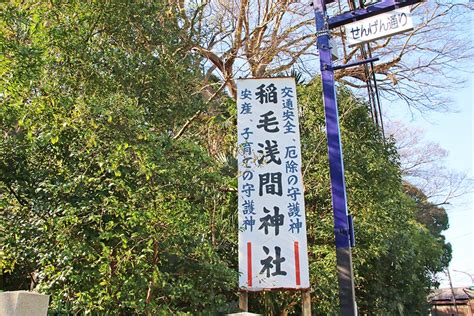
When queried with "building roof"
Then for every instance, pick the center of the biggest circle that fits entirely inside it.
(460, 293)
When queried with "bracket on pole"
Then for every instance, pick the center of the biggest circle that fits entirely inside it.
(357, 63)
(350, 220)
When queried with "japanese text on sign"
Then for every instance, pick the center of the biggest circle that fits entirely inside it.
(381, 25)
(272, 230)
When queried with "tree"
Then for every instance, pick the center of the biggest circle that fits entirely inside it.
(408, 63)
(258, 33)
(112, 201)
(396, 257)
(265, 38)
(100, 206)
(423, 166)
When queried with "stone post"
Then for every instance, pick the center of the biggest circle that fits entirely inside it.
(23, 303)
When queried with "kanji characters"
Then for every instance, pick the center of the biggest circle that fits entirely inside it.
(270, 183)
(246, 94)
(246, 133)
(291, 152)
(271, 210)
(267, 94)
(247, 189)
(246, 108)
(248, 207)
(295, 226)
(275, 221)
(294, 209)
(269, 263)
(268, 122)
(248, 223)
(291, 166)
(287, 92)
(269, 152)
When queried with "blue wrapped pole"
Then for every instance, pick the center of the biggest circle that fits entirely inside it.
(336, 166)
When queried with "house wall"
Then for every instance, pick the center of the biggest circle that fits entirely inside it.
(449, 310)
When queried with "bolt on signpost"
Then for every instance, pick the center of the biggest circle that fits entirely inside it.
(343, 228)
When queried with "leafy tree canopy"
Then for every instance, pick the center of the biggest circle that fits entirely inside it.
(117, 178)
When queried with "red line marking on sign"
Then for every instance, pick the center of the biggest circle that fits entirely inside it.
(297, 263)
(249, 264)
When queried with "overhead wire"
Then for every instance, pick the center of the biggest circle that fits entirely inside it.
(377, 95)
(375, 106)
(370, 88)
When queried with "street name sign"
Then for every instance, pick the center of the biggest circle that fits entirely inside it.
(379, 26)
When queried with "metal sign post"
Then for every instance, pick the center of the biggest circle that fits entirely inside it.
(336, 167)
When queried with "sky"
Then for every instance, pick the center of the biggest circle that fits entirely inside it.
(454, 132)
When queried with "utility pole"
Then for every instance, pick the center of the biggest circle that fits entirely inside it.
(343, 227)
(452, 292)
(342, 233)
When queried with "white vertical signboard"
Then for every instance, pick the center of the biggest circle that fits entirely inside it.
(272, 225)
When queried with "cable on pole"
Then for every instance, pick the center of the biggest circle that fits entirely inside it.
(371, 80)
(377, 95)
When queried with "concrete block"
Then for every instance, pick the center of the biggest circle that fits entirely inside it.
(23, 303)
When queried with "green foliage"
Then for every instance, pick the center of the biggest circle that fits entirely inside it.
(102, 207)
(396, 257)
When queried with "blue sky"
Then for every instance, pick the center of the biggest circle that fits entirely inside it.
(453, 132)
